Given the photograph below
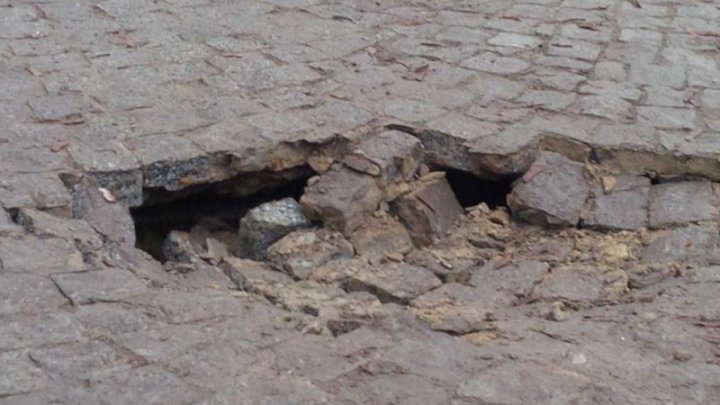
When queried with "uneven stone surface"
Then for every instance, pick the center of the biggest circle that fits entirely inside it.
(300, 252)
(106, 105)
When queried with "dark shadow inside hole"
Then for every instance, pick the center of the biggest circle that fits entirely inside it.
(219, 206)
(471, 190)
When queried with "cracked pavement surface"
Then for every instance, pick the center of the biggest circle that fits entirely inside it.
(128, 95)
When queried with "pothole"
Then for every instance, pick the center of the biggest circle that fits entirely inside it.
(471, 190)
(215, 207)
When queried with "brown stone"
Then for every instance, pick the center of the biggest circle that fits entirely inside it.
(391, 156)
(299, 253)
(429, 210)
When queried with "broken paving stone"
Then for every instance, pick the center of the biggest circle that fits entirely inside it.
(304, 296)
(111, 220)
(380, 237)
(180, 247)
(450, 258)
(429, 210)
(552, 192)
(621, 207)
(506, 285)
(458, 320)
(342, 199)
(680, 203)
(392, 156)
(267, 223)
(300, 252)
(254, 277)
(690, 242)
(393, 282)
(43, 225)
(100, 286)
(582, 286)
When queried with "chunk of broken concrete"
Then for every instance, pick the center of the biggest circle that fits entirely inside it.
(379, 237)
(393, 282)
(552, 192)
(429, 210)
(391, 156)
(267, 223)
(342, 199)
(621, 207)
(680, 203)
(300, 252)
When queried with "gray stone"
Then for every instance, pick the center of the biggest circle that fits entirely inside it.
(552, 192)
(100, 286)
(492, 63)
(41, 256)
(515, 40)
(390, 155)
(264, 225)
(300, 252)
(679, 203)
(112, 220)
(693, 242)
(429, 210)
(341, 199)
(180, 247)
(393, 282)
(150, 385)
(666, 117)
(45, 225)
(623, 207)
(582, 286)
(25, 375)
(27, 331)
(7, 226)
(508, 284)
(28, 293)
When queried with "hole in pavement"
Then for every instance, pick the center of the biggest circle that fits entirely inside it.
(218, 206)
(471, 190)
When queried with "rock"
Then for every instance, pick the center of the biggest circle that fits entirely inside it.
(457, 320)
(180, 247)
(97, 286)
(300, 252)
(624, 206)
(267, 223)
(391, 156)
(253, 276)
(429, 210)
(393, 282)
(689, 242)
(342, 199)
(680, 203)
(43, 224)
(380, 237)
(304, 296)
(551, 193)
(508, 284)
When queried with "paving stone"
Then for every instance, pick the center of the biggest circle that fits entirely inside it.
(25, 377)
(26, 331)
(380, 237)
(105, 285)
(515, 40)
(46, 225)
(679, 203)
(667, 118)
(506, 285)
(575, 49)
(535, 383)
(582, 286)
(264, 225)
(151, 384)
(429, 210)
(657, 75)
(392, 282)
(300, 252)
(28, 293)
(391, 156)
(253, 276)
(623, 207)
(41, 256)
(608, 70)
(547, 100)
(552, 193)
(341, 199)
(692, 242)
(492, 63)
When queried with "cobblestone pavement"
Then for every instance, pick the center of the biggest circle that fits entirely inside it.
(608, 110)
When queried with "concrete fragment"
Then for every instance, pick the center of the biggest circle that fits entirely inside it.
(429, 210)
(300, 252)
(342, 199)
(393, 282)
(265, 224)
(379, 237)
(679, 203)
(552, 192)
